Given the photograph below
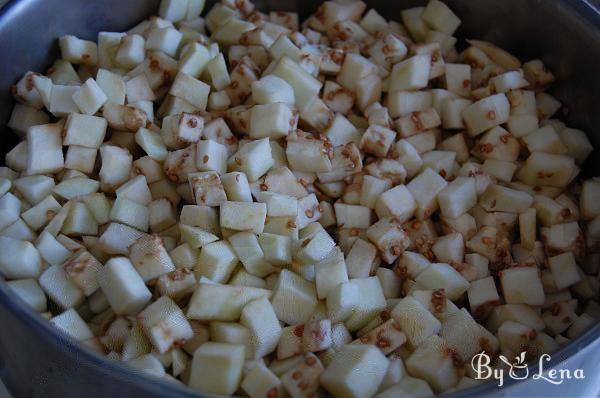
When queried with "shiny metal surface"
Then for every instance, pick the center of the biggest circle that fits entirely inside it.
(36, 360)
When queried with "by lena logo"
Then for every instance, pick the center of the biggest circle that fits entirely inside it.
(519, 370)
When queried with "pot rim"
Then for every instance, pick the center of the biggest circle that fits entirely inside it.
(589, 13)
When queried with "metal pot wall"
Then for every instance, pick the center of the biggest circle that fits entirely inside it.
(36, 360)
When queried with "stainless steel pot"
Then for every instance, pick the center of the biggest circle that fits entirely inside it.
(38, 361)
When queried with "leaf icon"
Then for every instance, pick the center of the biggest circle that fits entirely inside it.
(520, 359)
